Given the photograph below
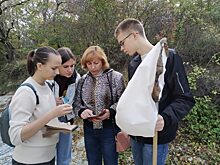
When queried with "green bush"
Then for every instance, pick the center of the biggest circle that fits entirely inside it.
(203, 122)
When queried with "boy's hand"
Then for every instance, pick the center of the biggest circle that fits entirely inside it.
(160, 123)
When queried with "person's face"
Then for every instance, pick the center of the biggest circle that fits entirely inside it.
(50, 69)
(67, 68)
(94, 66)
(125, 41)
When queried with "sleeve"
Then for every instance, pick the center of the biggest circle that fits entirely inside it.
(78, 107)
(181, 99)
(21, 108)
(71, 92)
(118, 86)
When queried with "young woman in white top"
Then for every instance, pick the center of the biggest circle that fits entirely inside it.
(28, 119)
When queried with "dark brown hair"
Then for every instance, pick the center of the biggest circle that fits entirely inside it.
(39, 55)
(66, 54)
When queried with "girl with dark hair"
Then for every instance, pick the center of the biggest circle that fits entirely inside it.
(28, 119)
(64, 86)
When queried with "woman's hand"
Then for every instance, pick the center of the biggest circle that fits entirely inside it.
(61, 110)
(59, 101)
(32, 128)
(86, 113)
(105, 115)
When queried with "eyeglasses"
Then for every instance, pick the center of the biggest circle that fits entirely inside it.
(122, 42)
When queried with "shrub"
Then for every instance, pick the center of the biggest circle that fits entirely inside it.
(203, 122)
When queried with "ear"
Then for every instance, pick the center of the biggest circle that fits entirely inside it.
(39, 66)
(136, 34)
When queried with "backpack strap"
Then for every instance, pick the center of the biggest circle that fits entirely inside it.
(35, 92)
(51, 85)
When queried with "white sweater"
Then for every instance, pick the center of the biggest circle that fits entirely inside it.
(24, 110)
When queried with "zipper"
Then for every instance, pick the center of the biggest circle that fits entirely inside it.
(178, 80)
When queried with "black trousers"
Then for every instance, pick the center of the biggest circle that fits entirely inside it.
(52, 162)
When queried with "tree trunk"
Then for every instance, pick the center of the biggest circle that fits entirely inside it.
(10, 51)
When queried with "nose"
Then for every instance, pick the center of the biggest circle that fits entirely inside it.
(70, 69)
(122, 48)
(57, 71)
(93, 66)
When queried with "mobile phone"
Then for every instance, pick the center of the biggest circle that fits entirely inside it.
(64, 99)
(100, 114)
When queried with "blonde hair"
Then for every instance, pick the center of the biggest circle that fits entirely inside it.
(94, 52)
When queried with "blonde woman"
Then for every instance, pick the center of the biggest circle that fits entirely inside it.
(97, 95)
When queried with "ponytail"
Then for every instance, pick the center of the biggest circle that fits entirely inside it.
(31, 65)
(39, 55)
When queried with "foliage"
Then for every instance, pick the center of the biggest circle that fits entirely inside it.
(194, 75)
(198, 139)
(204, 121)
(12, 75)
(205, 81)
(216, 58)
(191, 26)
(184, 150)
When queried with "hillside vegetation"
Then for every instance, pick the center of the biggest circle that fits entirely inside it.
(192, 27)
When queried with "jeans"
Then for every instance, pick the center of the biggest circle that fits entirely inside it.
(100, 143)
(143, 153)
(52, 162)
(64, 147)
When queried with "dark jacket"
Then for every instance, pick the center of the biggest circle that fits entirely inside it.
(176, 100)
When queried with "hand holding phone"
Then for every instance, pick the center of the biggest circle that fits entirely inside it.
(96, 116)
(64, 99)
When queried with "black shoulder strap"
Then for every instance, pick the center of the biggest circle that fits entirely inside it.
(51, 86)
(83, 78)
(31, 86)
(109, 77)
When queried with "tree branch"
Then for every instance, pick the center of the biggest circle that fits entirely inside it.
(3, 2)
(17, 4)
(9, 29)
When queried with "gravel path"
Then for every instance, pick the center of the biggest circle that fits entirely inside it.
(5, 154)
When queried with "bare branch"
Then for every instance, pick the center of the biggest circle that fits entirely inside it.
(9, 29)
(3, 2)
(17, 4)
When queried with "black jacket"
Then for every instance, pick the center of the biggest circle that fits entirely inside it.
(176, 100)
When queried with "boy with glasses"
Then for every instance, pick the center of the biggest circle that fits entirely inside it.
(175, 102)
